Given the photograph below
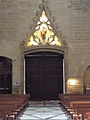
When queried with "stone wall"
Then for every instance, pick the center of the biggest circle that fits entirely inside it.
(72, 18)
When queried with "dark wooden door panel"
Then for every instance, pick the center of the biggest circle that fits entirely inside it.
(44, 75)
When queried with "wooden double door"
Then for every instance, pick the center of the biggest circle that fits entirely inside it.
(44, 75)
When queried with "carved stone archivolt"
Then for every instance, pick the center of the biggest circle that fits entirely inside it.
(63, 49)
(55, 27)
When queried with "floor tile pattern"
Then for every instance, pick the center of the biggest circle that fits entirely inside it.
(45, 110)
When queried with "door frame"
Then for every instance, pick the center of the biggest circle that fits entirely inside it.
(42, 54)
(45, 48)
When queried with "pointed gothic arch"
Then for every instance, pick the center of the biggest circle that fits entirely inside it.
(44, 30)
(34, 40)
(44, 33)
(62, 48)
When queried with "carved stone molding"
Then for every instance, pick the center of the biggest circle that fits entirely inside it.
(57, 31)
(60, 49)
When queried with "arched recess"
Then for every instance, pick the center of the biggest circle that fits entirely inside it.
(5, 75)
(86, 80)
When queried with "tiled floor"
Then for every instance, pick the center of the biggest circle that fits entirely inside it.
(46, 110)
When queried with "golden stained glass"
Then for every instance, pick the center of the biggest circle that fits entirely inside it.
(43, 33)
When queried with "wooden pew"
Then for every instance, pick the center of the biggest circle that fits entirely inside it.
(11, 105)
(78, 105)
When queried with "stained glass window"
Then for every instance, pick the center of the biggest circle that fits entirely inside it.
(43, 33)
